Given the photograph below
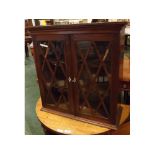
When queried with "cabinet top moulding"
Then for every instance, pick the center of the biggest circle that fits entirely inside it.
(110, 27)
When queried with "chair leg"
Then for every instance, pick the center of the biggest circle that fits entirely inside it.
(26, 51)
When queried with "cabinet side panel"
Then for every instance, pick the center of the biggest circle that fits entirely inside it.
(115, 78)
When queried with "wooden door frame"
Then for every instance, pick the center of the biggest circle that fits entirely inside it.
(113, 103)
(67, 57)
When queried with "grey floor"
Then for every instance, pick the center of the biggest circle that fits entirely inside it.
(32, 125)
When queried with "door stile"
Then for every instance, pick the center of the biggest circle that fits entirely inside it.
(74, 75)
(115, 80)
(70, 72)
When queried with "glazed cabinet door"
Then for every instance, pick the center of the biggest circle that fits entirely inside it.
(52, 58)
(94, 60)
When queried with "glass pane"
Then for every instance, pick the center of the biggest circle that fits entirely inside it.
(94, 73)
(53, 67)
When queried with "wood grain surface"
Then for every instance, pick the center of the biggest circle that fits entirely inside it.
(64, 125)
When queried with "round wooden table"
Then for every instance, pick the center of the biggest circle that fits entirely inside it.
(53, 123)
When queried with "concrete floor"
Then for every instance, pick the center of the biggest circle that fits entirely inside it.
(32, 124)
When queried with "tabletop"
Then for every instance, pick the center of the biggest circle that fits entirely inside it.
(64, 125)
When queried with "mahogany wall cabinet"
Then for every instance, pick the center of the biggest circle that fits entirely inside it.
(78, 70)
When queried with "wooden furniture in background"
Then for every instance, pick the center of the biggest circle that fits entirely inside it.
(125, 79)
(28, 38)
(78, 70)
(48, 21)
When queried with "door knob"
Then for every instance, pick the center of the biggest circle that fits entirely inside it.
(74, 80)
(69, 79)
